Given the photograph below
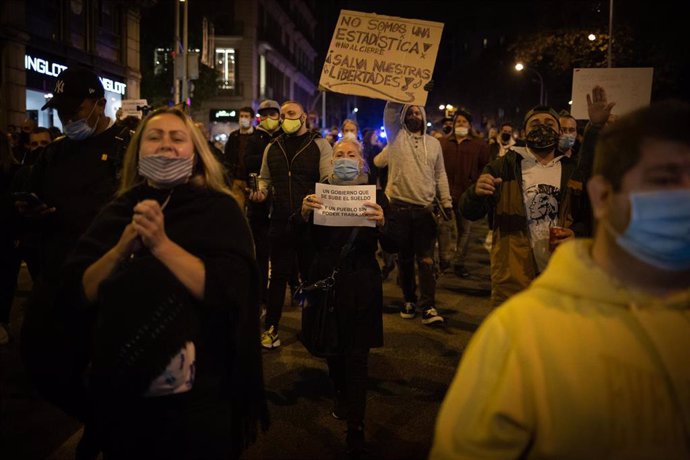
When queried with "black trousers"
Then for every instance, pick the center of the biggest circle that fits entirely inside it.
(414, 230)
(9, 268)
(190, 426)
(285, 246)
(259, 226)
(349, 374)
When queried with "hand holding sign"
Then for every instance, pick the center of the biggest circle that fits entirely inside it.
(343, 206)
(375, 213)
(383, 57)
(309, 203)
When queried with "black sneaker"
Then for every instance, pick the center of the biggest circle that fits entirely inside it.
(408, 311)
(461, 271)
(430, 317)
(339, 411)
(443, 265)
(355, 441)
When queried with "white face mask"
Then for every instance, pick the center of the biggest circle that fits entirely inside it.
(245, 123)
(349, 136)
(166, 171)
(461, 131)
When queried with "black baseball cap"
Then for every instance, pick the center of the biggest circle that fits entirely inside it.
(463, 112)
(73, 85)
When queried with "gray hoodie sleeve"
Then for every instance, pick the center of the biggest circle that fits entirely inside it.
(391, 120)
(325, 164)
(381, 160)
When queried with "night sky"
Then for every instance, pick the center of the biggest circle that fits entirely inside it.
(483, 80)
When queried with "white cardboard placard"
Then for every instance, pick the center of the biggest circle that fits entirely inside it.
(629, 87)
(342, 205)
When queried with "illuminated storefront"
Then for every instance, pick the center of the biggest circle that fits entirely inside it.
(41, 71)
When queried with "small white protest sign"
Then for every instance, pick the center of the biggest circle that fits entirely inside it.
(342, 205)
(132, 107)
(383, 57)
(629, 87)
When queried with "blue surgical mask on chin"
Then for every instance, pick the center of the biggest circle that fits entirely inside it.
(659, 229)
(565, 142)
(80, 129)
(346, 169)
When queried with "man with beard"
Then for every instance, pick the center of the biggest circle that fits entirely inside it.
(416, 173)
(526, 193)
(291, 166)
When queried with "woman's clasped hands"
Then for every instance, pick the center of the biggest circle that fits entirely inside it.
(147, 228)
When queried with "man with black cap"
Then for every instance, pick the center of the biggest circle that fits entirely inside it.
(526, 192)
(464, 157)
(258, 212)
(74, 178)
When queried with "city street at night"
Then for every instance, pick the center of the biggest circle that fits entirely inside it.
(172, 170)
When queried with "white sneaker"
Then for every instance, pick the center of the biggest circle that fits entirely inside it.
(4, 335)
(407, 311)
(431, 317)
(269, 339)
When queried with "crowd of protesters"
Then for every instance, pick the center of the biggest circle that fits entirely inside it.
(154, 254)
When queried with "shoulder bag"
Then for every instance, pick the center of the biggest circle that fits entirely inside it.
(320, 333)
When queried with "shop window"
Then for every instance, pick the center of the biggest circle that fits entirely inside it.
(225, 64)
(77, 23)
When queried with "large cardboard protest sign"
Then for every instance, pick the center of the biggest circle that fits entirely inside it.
(630, 88)
(342, 205)
(383, 57)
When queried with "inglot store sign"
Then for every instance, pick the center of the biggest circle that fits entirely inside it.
(53, 69)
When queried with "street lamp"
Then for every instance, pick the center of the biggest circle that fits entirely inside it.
(520, 67)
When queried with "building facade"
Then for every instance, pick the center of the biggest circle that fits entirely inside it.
(40, 38)
(269, 54)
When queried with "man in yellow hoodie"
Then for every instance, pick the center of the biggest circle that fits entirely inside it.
(593, 359)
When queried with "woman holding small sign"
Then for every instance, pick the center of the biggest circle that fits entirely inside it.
(359, 299)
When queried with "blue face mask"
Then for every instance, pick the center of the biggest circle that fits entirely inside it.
(659, 229)
(80, 129)
(345, 168)
(565, 142)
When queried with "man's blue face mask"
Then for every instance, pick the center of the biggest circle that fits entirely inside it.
(80, 129)
(659, 229)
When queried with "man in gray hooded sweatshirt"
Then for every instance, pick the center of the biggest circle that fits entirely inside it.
(416, 174)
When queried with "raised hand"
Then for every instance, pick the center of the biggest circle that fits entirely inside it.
(598, 107)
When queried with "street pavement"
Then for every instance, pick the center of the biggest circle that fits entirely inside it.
(409, 376)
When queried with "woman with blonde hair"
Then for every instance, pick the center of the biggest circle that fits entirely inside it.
(175, 366)
(358, 301)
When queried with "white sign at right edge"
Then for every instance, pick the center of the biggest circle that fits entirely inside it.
(629, 87)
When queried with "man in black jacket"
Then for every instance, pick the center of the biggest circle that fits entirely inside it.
(258, 212)
(291, 166)
(74, 178)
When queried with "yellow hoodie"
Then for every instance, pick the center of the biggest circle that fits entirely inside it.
(575, 367)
